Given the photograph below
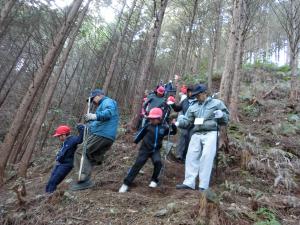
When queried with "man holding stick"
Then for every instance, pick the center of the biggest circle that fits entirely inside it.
(102, 130)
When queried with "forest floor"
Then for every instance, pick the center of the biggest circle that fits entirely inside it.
(258, 181)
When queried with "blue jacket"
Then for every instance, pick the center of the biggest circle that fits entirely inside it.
(152, 135)
(107, 121)
(66, 153)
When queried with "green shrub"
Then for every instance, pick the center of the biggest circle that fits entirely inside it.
(267, 217)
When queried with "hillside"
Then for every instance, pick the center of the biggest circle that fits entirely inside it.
(258, 176)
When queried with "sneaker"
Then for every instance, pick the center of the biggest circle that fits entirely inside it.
(123, 188)
(183, 186)
(153, 184)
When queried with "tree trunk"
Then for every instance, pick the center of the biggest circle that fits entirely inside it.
(294, 48)
(100, 68)
(118, 50)
(234, 98)
(123, 67)
(9, 79)
(45, 102)
(148, 60)
(40, 75)
(227, 76)
(4, 14)
(294, 77)
(189, 36)
(216, 36)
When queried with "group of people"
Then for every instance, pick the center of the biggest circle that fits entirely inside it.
(199, 119)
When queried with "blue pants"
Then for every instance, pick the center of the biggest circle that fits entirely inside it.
(59, 172)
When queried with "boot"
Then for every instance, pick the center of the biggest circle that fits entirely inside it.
(183, 186)
(81, 185)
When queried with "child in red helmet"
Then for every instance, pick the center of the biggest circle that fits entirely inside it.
(152, 135)
(65, 156)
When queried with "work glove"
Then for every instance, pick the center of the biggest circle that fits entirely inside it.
(89, 117)
(218, 114)
(176, 123)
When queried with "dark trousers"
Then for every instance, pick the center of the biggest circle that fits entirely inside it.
(59, 172)
(96, 148)
(141, 159)
(183, 143)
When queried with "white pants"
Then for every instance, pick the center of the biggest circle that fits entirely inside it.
(200, 159)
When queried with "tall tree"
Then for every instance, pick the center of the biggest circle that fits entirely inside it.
(248, 14)
(48, 93)
(227, 76)
(189, 36)
(217, 7)
(4, 15)
(288, 14)
(118, 49)
(147, 62)
(40, 75)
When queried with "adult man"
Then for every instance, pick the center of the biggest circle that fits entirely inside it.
(103, 125)
(206, 115)
(185, 134)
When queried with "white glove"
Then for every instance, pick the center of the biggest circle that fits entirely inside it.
(170, 103)
(176, 123)
(90, 116)
(218, 114)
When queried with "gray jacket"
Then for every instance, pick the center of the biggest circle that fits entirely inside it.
(204, 110)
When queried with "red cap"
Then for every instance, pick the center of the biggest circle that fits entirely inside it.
(62, 129)
(183, 89)
(171, 100)
(160, 90)
(155, 113)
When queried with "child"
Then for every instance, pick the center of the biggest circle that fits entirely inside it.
(152, 135)
(65, 156)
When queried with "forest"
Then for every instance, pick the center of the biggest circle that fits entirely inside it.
(58, 57)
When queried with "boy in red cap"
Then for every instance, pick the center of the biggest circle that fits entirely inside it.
(152, 135)
(65, 156)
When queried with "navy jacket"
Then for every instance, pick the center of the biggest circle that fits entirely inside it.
(152, 135)
(184, 105)
(66, 154)
(107, 121)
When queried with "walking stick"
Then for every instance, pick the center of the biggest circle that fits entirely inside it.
(217, 152)
(85, 134)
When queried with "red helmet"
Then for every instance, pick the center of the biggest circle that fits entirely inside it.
(160, 90)
(62, 129)
(171, 100)
(155, 113)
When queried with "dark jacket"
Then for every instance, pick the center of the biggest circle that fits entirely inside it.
(153, 101)
(66, 154)
(184, 105)
(107, 121)
(152, 135)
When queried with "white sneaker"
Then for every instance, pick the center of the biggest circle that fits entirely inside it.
(123, 188)
(153, 184)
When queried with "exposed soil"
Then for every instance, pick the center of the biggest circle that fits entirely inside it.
(247, 194)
